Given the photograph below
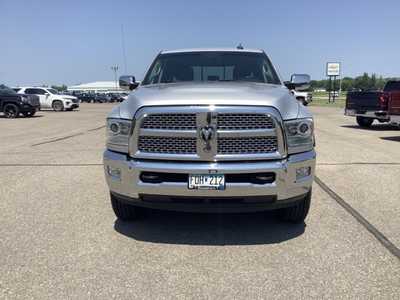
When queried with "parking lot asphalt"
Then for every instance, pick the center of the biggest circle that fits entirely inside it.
(60, 239)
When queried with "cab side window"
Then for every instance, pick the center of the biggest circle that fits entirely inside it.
(30, 91)
(35, 91)
(40, 92)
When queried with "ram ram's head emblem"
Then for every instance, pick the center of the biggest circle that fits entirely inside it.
(207, 134)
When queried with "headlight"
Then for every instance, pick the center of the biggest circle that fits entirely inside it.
(300, 135)
(24, 99)
(118, 131)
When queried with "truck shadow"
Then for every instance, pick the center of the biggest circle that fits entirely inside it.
(20, 117)
(210, 229)
(391, 138)
(374, 127)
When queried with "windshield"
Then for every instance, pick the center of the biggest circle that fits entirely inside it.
(53, 91)
(392, 86)
(211, 66)
(6, 90)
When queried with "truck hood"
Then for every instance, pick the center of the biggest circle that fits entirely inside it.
(210, 93)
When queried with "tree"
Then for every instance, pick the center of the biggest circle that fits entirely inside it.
(347, 83)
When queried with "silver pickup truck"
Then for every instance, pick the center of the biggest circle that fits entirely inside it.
(211, 130)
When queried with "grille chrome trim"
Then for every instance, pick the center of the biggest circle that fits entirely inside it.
(208, 116)
(244, 121)
(170, 121)
(166, 145)
(247, 145)
(168, 133)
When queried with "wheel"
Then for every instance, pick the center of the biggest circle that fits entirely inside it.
(124, 212)
(29, 113)
(302, 100)
(364, 122)
(298, 212)
(58, 105)
(11, 110)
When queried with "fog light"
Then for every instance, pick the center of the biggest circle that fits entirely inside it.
(303, 172)
(114, 173)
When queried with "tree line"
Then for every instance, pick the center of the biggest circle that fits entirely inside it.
(363, 82)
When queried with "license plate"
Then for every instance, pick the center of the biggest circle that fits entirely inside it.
(350, 112)
(206, 182)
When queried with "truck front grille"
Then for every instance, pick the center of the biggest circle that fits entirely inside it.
(207, 134)
(247, 145)
(167, 145)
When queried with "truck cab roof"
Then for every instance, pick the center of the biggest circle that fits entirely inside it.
(211, 50)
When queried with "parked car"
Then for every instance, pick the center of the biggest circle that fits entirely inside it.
(51, 98)
(13, 104)
(116, 97)
(102, 98)
(124, 96)
(382, 105)
(87, 97)
(211, 130)
(303, 97)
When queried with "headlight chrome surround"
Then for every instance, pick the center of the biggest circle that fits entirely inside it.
(300, 135)
(118, 133)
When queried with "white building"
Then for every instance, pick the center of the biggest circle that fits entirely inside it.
(96, 87)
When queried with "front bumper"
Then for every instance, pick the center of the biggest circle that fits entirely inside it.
(381, 115)
(128, 186)
(27, 107)
(71, 105)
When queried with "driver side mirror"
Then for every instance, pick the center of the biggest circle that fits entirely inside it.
(298, 82)
(47, 94)
(128, 83)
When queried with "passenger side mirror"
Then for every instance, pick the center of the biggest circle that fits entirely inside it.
(128, 83)
(298, 82)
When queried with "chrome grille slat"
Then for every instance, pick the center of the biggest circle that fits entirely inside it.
(243, 121)
(170, 122)
(247, 145)
(161, 144)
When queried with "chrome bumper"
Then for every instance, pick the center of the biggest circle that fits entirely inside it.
(126, 181)
(382, 115)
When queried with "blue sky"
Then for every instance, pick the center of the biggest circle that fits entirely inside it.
(55, 42)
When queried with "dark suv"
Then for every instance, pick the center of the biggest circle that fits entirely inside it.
(13, 104)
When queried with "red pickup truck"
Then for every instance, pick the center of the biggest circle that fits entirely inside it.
(368, 106)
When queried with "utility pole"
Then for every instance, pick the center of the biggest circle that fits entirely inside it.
(115, 70)
(123, 47)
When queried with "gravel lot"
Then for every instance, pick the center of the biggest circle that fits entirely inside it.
(60, 238)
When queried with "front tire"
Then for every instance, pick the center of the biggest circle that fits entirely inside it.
(364, 122)
(297, 213)
(11, 110)
(58, 105)
(28, 114)
(124, 212)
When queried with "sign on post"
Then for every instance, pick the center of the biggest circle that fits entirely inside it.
(333, 69)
